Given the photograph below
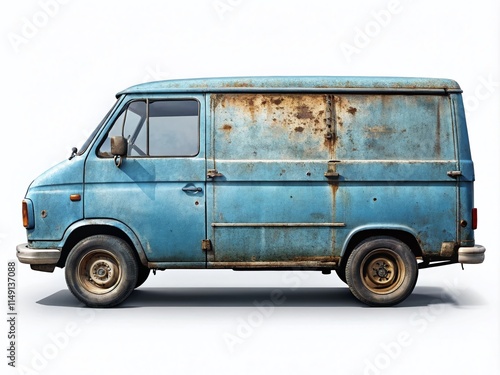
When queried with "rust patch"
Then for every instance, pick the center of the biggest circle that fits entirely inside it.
(334, 186)
(352, 110)
(216, 100)
(437, 146)
(238, 84)
(379, 130)
(304, 112)
(327, 258)
(266, 118)
(330, 140)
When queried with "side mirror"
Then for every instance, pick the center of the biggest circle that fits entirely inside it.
(118, 148)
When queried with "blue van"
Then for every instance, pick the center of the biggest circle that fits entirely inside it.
(369, 176)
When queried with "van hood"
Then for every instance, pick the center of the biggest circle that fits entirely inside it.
(65, 173)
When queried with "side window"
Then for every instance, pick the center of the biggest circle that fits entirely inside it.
(173, 128)
(168, 128)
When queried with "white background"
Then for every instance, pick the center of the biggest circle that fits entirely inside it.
(62, 63)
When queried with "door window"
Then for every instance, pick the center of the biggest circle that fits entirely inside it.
(157, 128)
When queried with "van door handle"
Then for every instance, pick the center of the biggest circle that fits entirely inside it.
(192, 189)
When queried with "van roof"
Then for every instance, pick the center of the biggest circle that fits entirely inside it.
(298, 84)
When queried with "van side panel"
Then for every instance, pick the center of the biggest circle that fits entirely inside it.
(395, 153)
(300, 173)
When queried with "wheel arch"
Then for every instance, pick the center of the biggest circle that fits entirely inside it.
(403, 234)
(87, 228)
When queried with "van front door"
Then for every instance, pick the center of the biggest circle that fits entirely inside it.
(159, 189)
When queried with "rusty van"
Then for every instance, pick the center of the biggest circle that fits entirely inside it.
(370, 177)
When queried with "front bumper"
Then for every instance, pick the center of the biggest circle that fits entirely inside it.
(471, 255)
(37, 256)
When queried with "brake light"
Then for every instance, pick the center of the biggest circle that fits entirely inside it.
(474, 218)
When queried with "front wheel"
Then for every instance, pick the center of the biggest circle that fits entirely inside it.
(101, 271)
(381, 271)
(142, 276)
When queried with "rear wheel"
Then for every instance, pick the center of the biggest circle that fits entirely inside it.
(341, 274)
(101, 271)
(381, 271)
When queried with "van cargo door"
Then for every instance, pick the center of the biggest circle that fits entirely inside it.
(268, 199)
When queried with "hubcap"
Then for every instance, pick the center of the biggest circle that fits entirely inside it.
(99, 271)
(382, 271)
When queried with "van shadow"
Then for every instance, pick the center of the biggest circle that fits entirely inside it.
(283, 297)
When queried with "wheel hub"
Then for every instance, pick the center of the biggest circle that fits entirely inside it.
(381, 272)
(102, 271)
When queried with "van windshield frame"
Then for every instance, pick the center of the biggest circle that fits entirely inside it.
(93, 135)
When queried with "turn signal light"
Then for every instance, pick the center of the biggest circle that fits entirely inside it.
(26, 220)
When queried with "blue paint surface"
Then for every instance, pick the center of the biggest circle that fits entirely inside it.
(392, 142)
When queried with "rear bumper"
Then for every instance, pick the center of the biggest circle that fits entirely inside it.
(37, 256)
(471, 255)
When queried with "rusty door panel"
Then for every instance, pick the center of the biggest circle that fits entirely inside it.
(272, 202)
(270, 127)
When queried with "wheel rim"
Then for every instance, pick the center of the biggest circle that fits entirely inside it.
(382, 271)
(99, 271)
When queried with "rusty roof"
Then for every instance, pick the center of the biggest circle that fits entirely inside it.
(298, 84)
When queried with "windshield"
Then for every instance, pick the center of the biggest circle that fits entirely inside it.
(86, 144)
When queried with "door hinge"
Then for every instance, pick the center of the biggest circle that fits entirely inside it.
(332, 169)
(206, 245)
(212, 173)
(454, 174)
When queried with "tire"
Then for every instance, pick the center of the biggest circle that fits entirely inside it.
(341, 274)
(142, 276)
(101, 271)
(381, 271)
